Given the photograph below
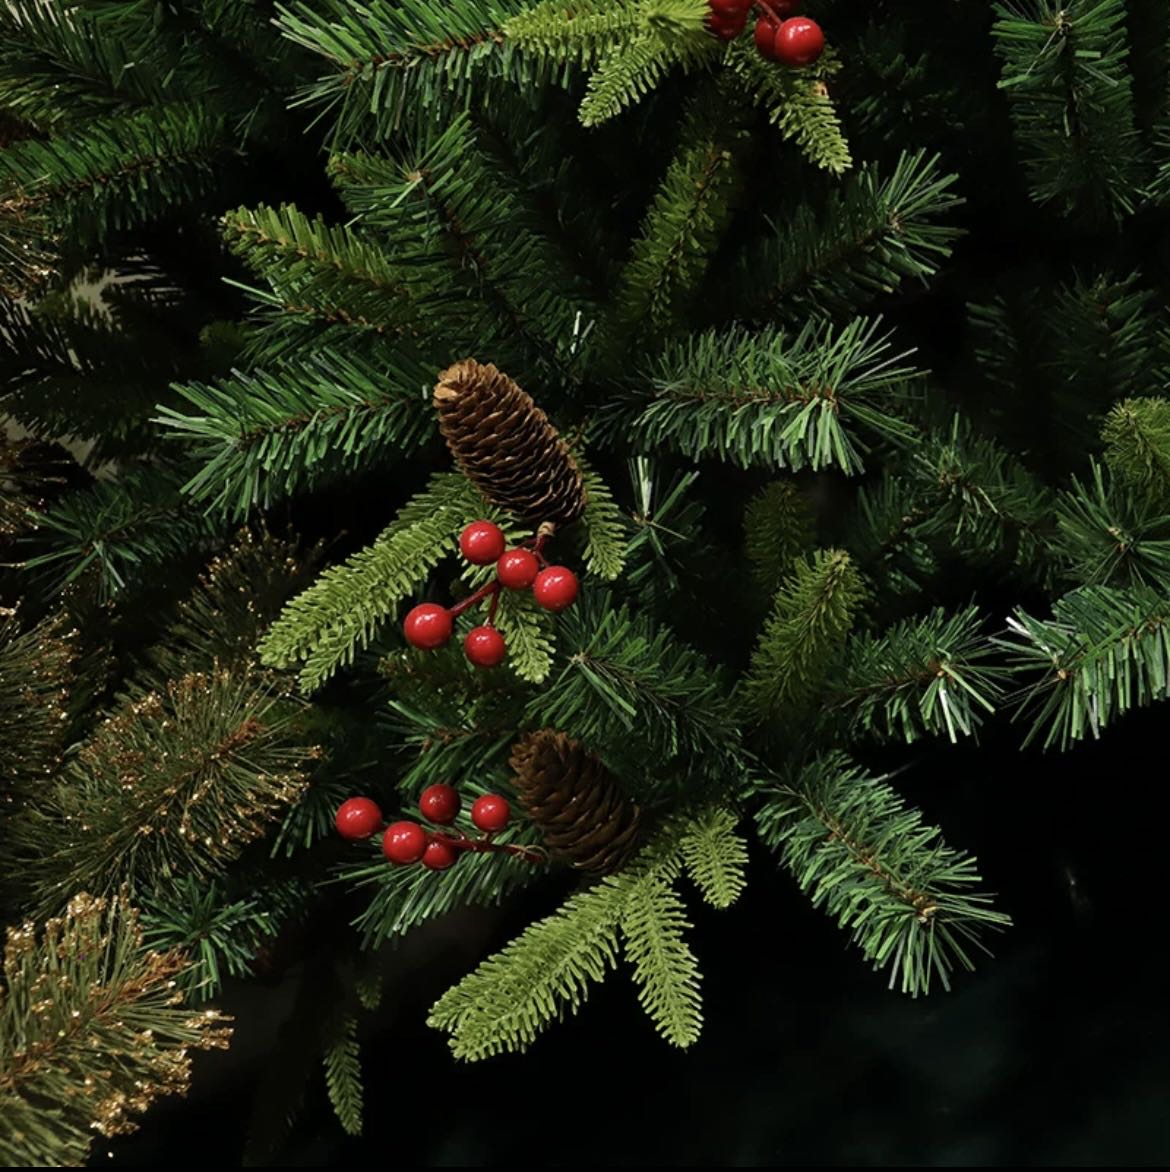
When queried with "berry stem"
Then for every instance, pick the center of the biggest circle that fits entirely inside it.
(460, 842)
(767, 7)
(488, 588)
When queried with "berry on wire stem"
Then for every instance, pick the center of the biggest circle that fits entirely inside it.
(439, 804)
(358, 818)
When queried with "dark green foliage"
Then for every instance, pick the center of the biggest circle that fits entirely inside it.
(923, 676)
(1137, 446)
(1109, 534)
(812, 613)
(777, 528)
(1103, 652)
(118, 531)
(627, 682)
(874, 233)
(772, 398)
(910, 903)
(108, 177)
(1064, 71)
(267, 435)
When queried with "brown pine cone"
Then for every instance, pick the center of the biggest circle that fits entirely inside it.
(575, 801)
(506, 446)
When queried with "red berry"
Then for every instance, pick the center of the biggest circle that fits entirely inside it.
(555, 588)
(729, 7)
(439, 855)
(727, 28)
(439, 804)
(799, 41)
(482, 543)
(517, 568)
(766, 29)
(427, 626)
(404, 842)
(357, 818)
(485, 646)
(782, 8)
(491, 812)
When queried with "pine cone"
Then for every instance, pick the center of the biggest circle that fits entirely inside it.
(506, 446)
(582, 813)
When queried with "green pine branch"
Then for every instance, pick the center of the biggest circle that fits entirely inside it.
(715, 856)
(925, 676)
(322, 628)
(91, 1033)
(343, 1074)
(457, 220)
(653, 923)
(872, 235)
(56, 71)
(1111, 534)
(778, 527)
(606, 528)
(401, 898)
(629, 685)
(796, 101)
(118, 532)
(550, 968)
(1103, 652)
(812, 614)
(910, 903)
(328, 278)
(683, 224)
(772, 398)
(266, 435)
(655, 37)
(74, 370)
(237, 596)
(387, 57)
(219, 925)
(110, 174)
(1137, 446)
(1064, 70)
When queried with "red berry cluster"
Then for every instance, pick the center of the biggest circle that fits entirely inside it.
(407, 842)
(780, 36)
(429, 625)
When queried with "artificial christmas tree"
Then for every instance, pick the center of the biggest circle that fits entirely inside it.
(761, 469)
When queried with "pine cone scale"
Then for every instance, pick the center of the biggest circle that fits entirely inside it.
(576, 802)
(506, 446)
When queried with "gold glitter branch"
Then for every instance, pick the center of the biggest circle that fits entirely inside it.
(92, 1031)
(175, 782)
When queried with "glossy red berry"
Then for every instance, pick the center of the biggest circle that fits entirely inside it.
(555, 588)
(485, 646)
(357, 818)
(727, 28)
(799, 41)
(517, 569)
(439, 804)
(765, 35)
(491, 812)
(439, 855)
(482, 543)
(427, 626)
(727, 8)
(404, 842)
